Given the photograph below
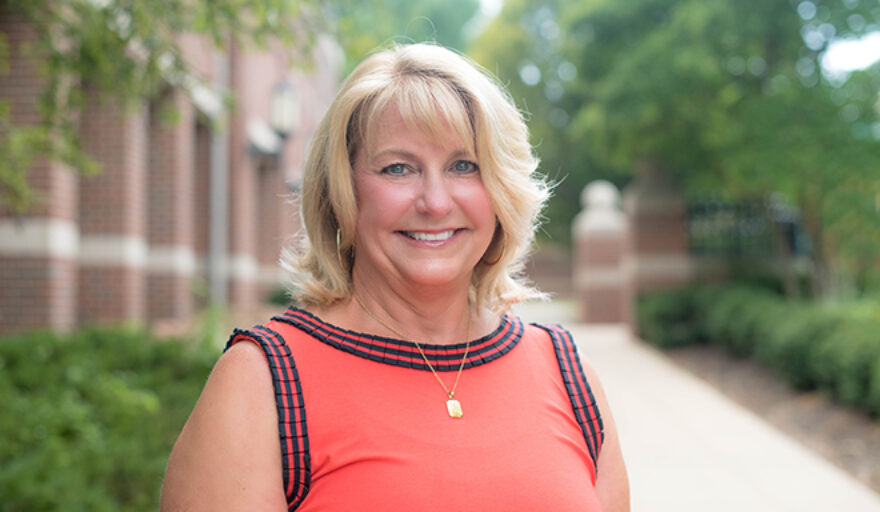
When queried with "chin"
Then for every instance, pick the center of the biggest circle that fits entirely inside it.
(438, 275)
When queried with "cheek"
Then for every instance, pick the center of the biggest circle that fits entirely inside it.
(478, 203)
(377, 201)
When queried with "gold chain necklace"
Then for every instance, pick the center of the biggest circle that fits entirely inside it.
(453, 406)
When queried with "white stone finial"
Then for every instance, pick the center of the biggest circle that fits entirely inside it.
(600, 212)
(600, 195)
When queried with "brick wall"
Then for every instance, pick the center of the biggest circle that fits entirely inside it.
(171, 260)
(112, 209)
(132, 243)
(38, 246)
(37, 292)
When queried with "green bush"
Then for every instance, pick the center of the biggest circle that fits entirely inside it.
(766, 316)
(90, 418)
(843, 360)
(280, 296)
(668, 318)
(874, 389)
(795, 335)
(738, 318)
(835, 347)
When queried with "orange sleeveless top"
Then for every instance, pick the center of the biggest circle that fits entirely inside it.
(364, 426)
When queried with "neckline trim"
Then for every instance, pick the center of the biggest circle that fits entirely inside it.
(403, 353)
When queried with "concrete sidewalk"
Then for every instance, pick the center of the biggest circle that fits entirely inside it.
(689, 448)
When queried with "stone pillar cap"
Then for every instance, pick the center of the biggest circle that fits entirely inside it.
(601, 211)
(600, 195)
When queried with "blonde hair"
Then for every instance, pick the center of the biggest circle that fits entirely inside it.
(428, 84)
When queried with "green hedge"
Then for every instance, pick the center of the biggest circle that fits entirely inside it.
(834, 346)
(89, 418)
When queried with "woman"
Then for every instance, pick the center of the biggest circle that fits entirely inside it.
(402, 383)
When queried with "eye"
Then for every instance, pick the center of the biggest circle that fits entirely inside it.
(464, 166)
(395, 170)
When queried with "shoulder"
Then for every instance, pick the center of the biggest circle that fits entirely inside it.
(612, 484)
(561, 339)
(555, 331)
(228, 454)
(576, 369)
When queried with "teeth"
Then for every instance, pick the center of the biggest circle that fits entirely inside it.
(430, 237)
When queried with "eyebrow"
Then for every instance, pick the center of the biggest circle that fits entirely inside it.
(413, 156)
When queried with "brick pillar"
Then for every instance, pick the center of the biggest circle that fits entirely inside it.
(171, 261)
(277, 225)
(113, 247)
(243, 268)
(201, 205)
(38, 246)
(658, 256)
(600, 235)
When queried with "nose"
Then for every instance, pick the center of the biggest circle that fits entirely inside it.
(436, 195)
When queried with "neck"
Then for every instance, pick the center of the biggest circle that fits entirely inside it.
(429, 318)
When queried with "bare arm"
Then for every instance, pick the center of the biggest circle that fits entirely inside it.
(612, 483)
(228, 456)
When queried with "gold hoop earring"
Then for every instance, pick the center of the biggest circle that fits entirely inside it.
(500, 256)
(338, 252)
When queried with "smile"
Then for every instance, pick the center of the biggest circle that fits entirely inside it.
(430, 237)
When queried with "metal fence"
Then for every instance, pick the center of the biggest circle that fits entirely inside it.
(745, 229)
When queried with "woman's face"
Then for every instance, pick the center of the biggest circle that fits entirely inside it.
(424, 216)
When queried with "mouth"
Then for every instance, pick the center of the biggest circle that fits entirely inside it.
(423, 236)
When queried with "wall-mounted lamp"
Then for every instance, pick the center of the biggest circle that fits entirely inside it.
(285, 112)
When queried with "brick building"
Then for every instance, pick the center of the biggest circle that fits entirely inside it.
(181, 211)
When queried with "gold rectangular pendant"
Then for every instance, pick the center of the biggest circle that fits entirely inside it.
(453, 407)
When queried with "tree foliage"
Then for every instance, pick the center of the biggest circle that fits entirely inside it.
(364, 26)
(726, 96)
(130, 49)
(523, 47)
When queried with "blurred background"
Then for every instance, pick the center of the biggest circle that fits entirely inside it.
(716, 193)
